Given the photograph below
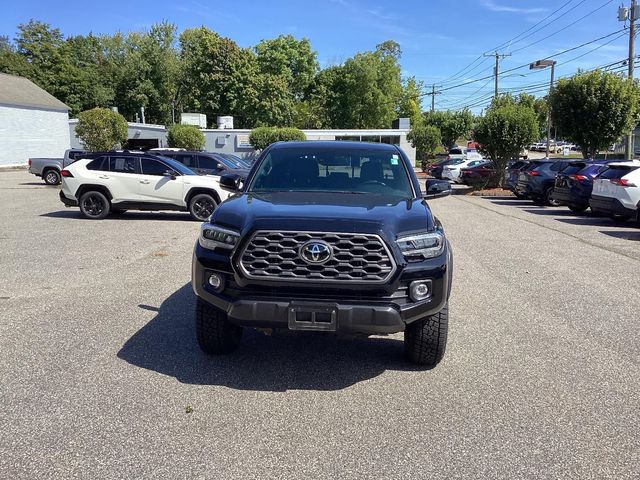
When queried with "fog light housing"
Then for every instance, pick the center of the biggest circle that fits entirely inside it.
(214, 280)
(420, 290)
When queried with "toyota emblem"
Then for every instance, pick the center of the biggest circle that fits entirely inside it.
(315, 252)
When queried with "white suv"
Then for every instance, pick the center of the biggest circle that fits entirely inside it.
(616, 191)
(119, 181)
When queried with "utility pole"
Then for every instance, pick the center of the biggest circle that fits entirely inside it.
(433, 96)
(632, 46)
(496, 69)
(630, 14)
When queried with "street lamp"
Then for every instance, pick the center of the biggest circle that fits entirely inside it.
(544, 64)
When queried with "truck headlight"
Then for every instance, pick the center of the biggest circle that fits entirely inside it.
(212, 237)
(424, 245)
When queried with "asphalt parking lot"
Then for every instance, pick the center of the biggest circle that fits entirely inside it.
(99, 365)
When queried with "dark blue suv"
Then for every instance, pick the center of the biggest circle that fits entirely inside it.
(574, 184)
(536, 181)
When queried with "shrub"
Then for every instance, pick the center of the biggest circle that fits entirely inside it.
(425, 139)
(101, 129)
(262, 137)
(185, 136)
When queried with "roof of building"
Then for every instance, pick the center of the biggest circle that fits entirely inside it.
(22, 92)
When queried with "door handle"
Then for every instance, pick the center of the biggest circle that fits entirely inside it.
(145, 182)
(103, 176)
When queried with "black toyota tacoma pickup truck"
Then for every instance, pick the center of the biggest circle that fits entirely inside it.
(329, 236)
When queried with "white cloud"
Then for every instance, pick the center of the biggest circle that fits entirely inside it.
(494, 7)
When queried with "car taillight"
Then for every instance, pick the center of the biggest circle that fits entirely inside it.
(533, 173)
(579, 178)
(29, 162)
(66, 173)
(622, 182)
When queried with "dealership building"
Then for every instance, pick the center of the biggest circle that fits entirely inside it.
(236, 141)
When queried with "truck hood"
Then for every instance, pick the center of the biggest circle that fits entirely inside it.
(320, 211)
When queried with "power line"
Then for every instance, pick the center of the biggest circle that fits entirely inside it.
(549, 23)
(469, 82)
(563, 28)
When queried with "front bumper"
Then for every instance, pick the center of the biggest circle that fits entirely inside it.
(356, 311)
(610, 206)
(68, 202)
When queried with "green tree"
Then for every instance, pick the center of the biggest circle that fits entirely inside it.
(365, 90)
(272, 103)
(409, 106)
(538, 105)
(503, 132)
(218, 76)
(452, 125)
(262, 137)
(185, 136)
(425, 139)
(147, 73)
(594, 109)
(101, 129)
(292, 60)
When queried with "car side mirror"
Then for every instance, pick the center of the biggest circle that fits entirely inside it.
(437, 188)
(170, 174)
(230, 181)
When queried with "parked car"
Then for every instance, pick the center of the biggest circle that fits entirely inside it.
(326, 236)
(120, 181)
(478, 174)
(452, 172)
(436, 170)
(241, 162)
(574, 184)
(536, 181)
(49, 168)
(616, 191)
(206, 163)
(511, 175)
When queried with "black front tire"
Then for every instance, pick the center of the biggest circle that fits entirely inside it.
(425, 340)
(94, 205)
(52, 177)
(201, 206)
(215, 334)
(548, 200)
(577, 209)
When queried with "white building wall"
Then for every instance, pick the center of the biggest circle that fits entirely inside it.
(30, 132)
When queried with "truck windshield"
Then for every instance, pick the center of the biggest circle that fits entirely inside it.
(372, 171)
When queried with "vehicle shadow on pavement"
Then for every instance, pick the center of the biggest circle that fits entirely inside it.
(512, 203)
(624, 235)
(279, 362)
(133, 216)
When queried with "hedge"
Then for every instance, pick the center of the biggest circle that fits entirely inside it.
(185, 136)
(262, 137)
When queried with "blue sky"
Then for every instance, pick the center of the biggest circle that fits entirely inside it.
(438, 38)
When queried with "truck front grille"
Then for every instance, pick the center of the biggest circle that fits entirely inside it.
(355, 257)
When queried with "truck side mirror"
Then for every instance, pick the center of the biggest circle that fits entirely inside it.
(230, 181)
(437, 188)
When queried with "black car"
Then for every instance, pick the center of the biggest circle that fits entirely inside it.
(536, 181)
(206, 163)
(326, 236)
(513, 171)
(574, 184)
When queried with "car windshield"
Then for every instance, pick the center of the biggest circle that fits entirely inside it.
(240, 163)
(352, 170)
(177, 166)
